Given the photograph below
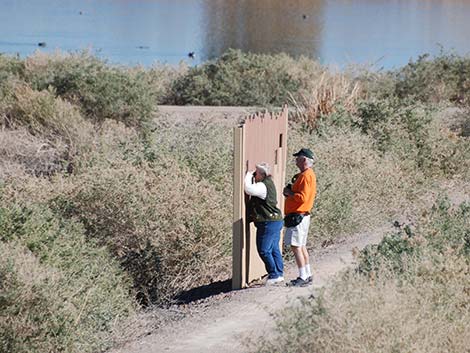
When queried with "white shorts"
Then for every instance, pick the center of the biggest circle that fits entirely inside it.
(297, 236)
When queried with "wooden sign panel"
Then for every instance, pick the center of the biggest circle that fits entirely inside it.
(261, 138)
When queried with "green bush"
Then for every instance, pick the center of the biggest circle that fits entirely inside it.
(237, 78)
(10, 68)
(394, 249)
(445, 231)
(100, 90)
(443, 78)
(415, 134)
(58, 292)
(394, 122)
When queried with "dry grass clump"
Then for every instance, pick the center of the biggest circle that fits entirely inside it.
(40, 132)
(353, 179)
(25, 153)
(415, 297)
(428, 314)
(328, 91)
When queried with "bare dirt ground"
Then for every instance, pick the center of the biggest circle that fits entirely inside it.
(229, 115)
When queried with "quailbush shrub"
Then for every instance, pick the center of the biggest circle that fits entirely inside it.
(51, 124)
(10, 68)
(100, 90)
(164, 225)
(203, 146)
(442, 78)
(444, 231)
(58, 291)
(238, 78)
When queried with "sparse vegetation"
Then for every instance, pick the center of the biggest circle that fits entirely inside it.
(106, 205)
(409, 293)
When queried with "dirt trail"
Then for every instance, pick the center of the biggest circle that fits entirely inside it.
(223, 325)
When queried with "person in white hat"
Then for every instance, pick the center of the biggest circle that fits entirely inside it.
(300, 196)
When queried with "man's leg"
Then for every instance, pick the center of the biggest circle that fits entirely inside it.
(264, 247)
(307, 262)
(300, 260)
(276, 252)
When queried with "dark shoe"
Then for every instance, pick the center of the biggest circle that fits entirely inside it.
(309, 279)
(298, 282)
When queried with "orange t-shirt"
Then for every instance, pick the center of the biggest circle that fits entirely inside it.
(305, 189)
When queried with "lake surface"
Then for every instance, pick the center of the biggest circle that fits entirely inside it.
(382, 33)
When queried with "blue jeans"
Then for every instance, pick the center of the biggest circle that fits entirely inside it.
(268, 235)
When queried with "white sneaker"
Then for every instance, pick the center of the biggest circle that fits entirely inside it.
(272, 281)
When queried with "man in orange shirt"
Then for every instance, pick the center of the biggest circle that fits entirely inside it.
(298, 204)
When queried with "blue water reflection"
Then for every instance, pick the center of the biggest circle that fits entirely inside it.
(385, 32)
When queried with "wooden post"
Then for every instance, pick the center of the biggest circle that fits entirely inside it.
(238, 228)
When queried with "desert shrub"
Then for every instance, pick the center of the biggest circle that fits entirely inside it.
(394, 250)
(23, 152)
(393, 122)
(165, 227)
(414, 134)
(421, 305)
(353, 179)
(377, 84)
(385, 151)
(100, 90)
(237, 78)
(58, 292)
(165, 216)
(52, 123)
(161, 78)
(442, 78)
(443, 230)
(458, 122)
(427, 314)
(203, 146)
(10, 67)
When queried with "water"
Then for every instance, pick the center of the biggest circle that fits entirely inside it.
(382, 33)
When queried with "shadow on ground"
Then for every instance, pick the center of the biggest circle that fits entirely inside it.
(203, 292)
